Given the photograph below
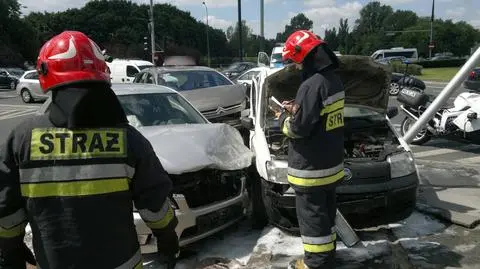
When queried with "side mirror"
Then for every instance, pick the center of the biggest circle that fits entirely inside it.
(247, 123)
(472, 116)
(392, 111)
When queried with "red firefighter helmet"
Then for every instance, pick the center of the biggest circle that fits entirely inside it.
(70, 57)
(299, 44)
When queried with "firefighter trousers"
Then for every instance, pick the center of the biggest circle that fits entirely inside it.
(316, 211)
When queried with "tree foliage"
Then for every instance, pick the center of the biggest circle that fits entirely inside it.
(121, 25)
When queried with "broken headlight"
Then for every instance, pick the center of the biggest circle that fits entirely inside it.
(276, 171)
(402, 164)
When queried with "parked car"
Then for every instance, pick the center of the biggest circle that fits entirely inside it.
(29, 88)
(246, 77)
(399, 81)
(124, 70)
(9, 77)
(205, 161)
(472, 82)
(276, 60)
(381, 179)
(216, 96)
(238, 68)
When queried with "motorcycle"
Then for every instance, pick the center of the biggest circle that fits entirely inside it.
(401, 81)
(459, 123)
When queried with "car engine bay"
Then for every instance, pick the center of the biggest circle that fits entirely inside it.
(363, 141)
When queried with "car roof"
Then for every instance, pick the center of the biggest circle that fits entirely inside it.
(180, 68)
(139, 88)
(132, 61)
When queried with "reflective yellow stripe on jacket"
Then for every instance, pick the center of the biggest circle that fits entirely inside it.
(160, 219)
(333, 110)
(75, 180)
(312, 178)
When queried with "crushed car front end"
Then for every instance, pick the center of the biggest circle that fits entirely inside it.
(207, 164)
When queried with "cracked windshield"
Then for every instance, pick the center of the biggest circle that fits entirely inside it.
(269, 134)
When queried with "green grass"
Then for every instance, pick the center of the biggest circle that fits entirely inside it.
(438, 74)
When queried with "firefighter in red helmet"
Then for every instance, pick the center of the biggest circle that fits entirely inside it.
(73, 172)
(314, 124)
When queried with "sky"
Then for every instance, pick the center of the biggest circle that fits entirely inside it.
(324, 13)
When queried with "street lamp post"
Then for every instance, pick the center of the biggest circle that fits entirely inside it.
(152, 31)
(208, 38)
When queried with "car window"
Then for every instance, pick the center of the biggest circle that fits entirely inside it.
(131, 71)
(33, 75)
(353, 111)
(194, 79)
(152, 109)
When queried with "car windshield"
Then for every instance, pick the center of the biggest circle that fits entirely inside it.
(276, 57)
(192, 79)
(15, 71)
(153, 109)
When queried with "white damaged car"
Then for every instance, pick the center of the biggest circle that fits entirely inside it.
(381, 179)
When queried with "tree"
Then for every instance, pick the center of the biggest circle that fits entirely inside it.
(233, 37)
(331, 38)
(299, 22)
(343, 36)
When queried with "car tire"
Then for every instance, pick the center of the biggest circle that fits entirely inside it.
(13, 85)
(421, 138)
(258, 211)
(26, 96)
(394, 88)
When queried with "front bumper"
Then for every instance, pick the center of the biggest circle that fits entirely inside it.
(195, 224)
(378, 203)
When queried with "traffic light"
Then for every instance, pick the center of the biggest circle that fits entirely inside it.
(145, 43)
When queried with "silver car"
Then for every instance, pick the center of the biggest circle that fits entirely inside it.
(29, 88)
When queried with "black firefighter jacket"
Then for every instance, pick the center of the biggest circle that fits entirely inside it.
(315, 129)
(75, 188)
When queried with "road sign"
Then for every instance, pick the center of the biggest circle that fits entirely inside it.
(431, 46)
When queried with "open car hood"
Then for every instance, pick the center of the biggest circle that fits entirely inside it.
(366, 82)
(189, 148)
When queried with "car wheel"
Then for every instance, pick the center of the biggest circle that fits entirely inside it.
(13, 85)
(26, 96)
(394, 88)
(421, 138)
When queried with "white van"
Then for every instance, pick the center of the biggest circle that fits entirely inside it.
(276, 60)
(124, 71)
(411, 53)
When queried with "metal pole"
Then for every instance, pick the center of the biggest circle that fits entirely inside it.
(240, 26)
(431, 29)
(152, 32)
(262, 25)
(208, 39)
(442, 98)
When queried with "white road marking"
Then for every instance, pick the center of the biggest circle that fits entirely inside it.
(17, 114)
(442, 151)
(14, 111)
(469, 160)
